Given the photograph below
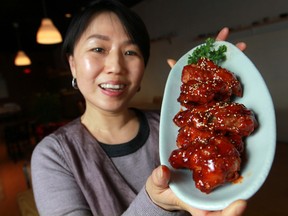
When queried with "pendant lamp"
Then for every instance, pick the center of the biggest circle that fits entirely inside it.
(21, 59)
(47, 32)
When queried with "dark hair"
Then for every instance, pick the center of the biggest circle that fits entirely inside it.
(132, 23)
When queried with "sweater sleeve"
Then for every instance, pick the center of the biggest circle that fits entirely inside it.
(55, 189)
(142, 205)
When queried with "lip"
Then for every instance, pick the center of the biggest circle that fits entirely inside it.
(113, 88)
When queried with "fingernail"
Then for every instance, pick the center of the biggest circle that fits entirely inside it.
(162, 177)
(160, 173)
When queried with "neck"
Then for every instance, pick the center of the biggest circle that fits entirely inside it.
(111, 127)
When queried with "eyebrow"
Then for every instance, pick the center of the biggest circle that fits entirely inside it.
(99, 36)
(107, 38)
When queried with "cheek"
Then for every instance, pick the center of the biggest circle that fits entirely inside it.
(140, 74)
(87, 71)
(88, 67)
(138, 71)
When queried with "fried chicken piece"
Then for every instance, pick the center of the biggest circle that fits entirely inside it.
(206, 70)
(212, 164)
(198, 93)
(222, 117)
(205, 82)
(190, 135)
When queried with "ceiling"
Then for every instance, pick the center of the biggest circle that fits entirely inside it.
(27, 15)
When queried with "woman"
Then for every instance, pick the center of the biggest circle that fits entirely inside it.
(101, 163)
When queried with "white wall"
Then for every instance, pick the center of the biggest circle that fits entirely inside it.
(174, 27)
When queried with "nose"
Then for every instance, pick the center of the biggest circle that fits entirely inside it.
(114, 62)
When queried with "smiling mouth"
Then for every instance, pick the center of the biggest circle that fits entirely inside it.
(113, 87)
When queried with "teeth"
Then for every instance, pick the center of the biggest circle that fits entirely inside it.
(112, 86)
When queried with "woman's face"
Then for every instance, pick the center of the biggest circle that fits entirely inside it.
(107, 65)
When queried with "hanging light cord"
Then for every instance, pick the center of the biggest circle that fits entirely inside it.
(44, 8)
(16, 26)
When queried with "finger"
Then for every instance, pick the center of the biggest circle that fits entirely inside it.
(223, 34)
(192, 210)
(171, 62)
(159, 191)
(242, 46)
(237, 208)
(161, 177)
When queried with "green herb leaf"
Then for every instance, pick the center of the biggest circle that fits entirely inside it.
(208, 50)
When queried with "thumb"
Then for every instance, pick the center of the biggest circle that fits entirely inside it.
(161, 176)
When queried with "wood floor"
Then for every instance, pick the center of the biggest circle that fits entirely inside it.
(270, 200)
(13, 181)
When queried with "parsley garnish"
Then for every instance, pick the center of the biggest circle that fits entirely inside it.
(208, 50)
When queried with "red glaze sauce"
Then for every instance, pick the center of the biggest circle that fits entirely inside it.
(212, 127)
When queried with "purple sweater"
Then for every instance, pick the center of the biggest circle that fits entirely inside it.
(73, 174)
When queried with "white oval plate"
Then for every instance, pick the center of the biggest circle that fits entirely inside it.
(260, 146)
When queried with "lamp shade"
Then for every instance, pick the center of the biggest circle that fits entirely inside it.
(48, 33)
(22, 59)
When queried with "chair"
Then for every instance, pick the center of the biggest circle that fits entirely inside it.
(25, 199)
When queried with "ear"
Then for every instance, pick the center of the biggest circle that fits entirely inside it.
(72, 65)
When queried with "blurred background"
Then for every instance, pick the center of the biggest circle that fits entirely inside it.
(37, 98)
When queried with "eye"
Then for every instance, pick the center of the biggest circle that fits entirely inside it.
(131, 52)
(98, 50)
